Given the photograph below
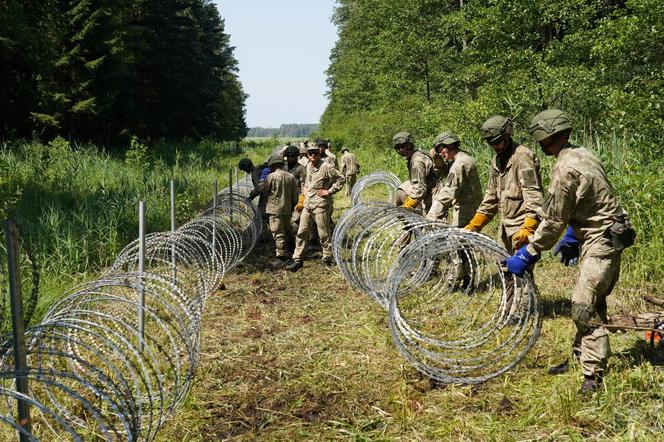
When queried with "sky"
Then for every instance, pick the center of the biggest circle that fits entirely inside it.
(283, 49)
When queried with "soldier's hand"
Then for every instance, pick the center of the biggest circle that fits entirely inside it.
(323, 192)
(568, 248)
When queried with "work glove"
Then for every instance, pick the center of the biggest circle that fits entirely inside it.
(568, 248)
(410, 203)
(478, 222)
(264, 173)
(520, 261)
(300, 202)
(520, 238)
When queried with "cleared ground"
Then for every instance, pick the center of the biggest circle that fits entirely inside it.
(305, 357)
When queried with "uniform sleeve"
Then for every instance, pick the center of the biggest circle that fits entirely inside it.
(557, 210)
(489, 205)
(338, 180)
(447, 192)
(418, 183)
(531, 190)
(344, 160)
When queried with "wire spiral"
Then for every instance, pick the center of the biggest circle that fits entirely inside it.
(454, 313)
(91, 375)
(378, 186)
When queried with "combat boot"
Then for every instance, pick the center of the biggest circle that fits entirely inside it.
(590, 384)
(294, 266)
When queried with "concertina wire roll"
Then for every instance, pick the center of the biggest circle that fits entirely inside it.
(90, 375)
(454, 312)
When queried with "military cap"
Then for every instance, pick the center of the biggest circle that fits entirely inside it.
(321, 142)
(275, 159)
(344, 149)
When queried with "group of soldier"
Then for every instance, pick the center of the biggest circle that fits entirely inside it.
(297, 193)
(580, 205)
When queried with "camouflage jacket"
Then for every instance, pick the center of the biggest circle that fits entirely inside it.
(514, 191)
(423, 178)
(441, 166)
(461, 190)
(298, 171)
(579, 195)
(331, 158)
(281, 191)
(349, 164)
(325, 176)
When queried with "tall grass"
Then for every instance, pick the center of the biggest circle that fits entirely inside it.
(77, 205)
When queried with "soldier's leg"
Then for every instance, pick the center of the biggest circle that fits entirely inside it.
(302, 237)
(324, 222)
(597, 277)
(278, 230)
(350, 182)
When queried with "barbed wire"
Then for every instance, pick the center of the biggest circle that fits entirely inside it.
(377, 186)
(104, 365)
(454, 312)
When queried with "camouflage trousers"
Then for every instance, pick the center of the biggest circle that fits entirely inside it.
(280, 228)
(323, 220)
(350, 182)
(597, 277)
(516, 306)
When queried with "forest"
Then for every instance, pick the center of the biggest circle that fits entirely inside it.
(285, 130)
(107, 70)
(425, 65)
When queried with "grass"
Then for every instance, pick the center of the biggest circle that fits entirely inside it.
(304, 356)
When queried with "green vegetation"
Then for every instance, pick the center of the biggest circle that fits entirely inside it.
(284, 131)
(105, 70)
(77, 205)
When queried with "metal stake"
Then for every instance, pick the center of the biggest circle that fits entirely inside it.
(141, 270)
(18, 326)
(214, 225)
(230, 190)
(173, 227)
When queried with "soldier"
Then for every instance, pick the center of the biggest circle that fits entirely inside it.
(423, 178)
(462, 189)
(463, 192)
(440, 165)
(349, 169)
(303, 155)
(258, 174)
(298, 171)
(514, 189)
(580, 196)
(329, 156)
(322, 181)
(281, 192)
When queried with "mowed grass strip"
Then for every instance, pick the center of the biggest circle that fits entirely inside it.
(305, 357)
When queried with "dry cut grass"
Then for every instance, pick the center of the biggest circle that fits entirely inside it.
(305, 357)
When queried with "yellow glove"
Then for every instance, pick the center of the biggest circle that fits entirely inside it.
(478, 222)
(520, 238)
(300, 202)
(410, 203)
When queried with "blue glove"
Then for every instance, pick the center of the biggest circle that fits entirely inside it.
(264, 173)
(520, 261)
(568, 247)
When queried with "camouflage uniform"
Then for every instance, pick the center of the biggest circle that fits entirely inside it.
(580, 195)
(262, 197)
(423, 178)
(441, 166)
(303, 160)
(330, 158)
(514, 189)
(281, 193)
(298, 171)
(349, 169)
(461, 190)
(318, 208)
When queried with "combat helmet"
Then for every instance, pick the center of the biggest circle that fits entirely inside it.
(275, 160)
(495, 127)
(445, 139)
(402, 138)
(292, 150)
(549, 122)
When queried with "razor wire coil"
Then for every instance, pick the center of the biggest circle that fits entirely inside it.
(454, 312)
(91, 374)
(383, 183)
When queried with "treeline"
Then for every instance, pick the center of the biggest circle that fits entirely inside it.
(428, 65)
(104, 70)
(285, 130)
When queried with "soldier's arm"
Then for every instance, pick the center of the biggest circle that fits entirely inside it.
(338, 180)
(556, 211)
(531, 189)
(489, 204)
(418, 185)
(448, 191)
